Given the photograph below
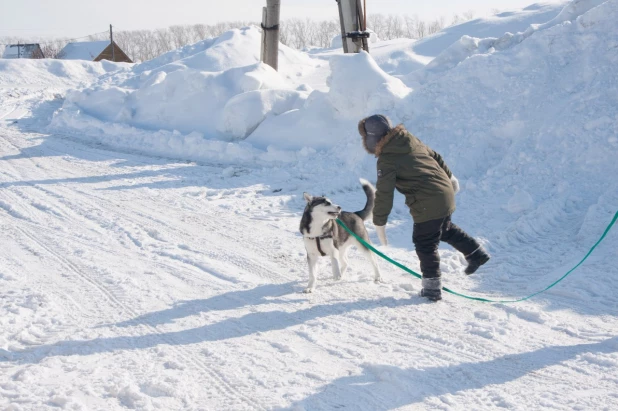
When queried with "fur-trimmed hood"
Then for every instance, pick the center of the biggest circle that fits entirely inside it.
(383, 141)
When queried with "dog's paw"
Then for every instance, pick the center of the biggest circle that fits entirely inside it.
(308, 290)
(378, 280)
(337, 278)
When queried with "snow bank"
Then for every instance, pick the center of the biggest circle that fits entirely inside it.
(234, 48)
(189, 110)
(492, 98)
(357, 87)
(196, 88)
(468, 45)
(50, 73)
(193, 146)
(529, 126)
(514, 21)
(401, 57)
(216, 88)
(188, 100)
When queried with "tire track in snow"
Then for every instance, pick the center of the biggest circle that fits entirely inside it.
(346, 322)
(273, 273)
(265, 272)
(184, 355)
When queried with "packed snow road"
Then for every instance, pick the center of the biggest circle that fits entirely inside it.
(137, 282)
(130, 281)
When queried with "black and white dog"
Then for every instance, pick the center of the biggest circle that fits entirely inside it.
(324, 237)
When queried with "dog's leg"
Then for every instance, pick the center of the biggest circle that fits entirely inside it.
(343, 254)
(335, 263)
(312, 261)
(374, 262)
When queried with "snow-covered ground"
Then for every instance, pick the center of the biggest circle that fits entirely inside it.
(151, 257)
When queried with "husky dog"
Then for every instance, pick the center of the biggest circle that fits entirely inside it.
(323, 236)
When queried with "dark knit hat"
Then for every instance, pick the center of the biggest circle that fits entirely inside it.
(373, 128)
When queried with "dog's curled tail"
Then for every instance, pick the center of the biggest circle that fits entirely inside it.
(370, 192)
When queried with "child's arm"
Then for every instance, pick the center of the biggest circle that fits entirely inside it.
(440, 161)
(385, 190)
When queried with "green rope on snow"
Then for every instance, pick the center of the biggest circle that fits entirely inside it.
(485, 300)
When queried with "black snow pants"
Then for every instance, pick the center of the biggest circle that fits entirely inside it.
(427, 237)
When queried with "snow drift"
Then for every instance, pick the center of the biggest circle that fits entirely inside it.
(216, 88)
(482, 103)
(358, 87)
(36, 73)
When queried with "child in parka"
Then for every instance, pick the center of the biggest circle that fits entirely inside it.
(419, 173)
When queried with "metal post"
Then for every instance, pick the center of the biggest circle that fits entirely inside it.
(271, 33)
(263, 45)
(344, 43)
(111, 41)
(361, 11)
(352, 30)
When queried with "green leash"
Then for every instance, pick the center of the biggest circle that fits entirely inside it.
(485, 300)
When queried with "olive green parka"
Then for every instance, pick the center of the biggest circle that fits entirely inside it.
(416, 171)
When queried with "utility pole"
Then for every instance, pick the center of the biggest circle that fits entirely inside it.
(354, 35)
(111, 41)
(270, 33)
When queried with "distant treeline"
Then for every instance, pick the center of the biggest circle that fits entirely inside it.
(142, 45)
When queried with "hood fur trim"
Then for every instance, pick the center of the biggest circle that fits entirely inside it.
(363, 133)
(384, 140)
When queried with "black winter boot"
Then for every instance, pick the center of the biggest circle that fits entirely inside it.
(432, 289)
(475, 260)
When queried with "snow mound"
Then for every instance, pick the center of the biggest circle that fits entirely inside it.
(493, 26)
(175, 55)
(217, 88)
(234, 48)
(529, 129)
(186, 100)
(358, 87)
(493, 98)
(401, 57)
(468, 45)
(51, 73)
(244, 112)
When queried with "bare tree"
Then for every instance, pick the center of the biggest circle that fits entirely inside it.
(142, 45)
(436, 26)
(179, 35)
(325, 31)
(421, 29)
(456, 19)
(394, 27)
(163, 41)
(469, 15)
(53, 49)
(377, 24)
(200, 32)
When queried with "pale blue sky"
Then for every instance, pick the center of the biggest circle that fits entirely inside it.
(75, 18)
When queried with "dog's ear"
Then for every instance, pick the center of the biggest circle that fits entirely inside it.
(308, 198)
